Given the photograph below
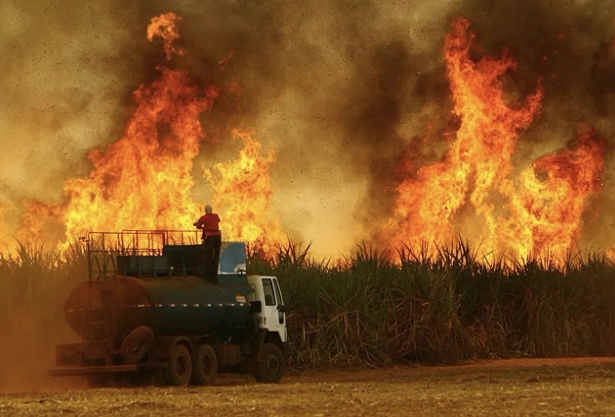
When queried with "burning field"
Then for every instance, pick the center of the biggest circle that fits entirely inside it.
(446, 148)
(332, 124)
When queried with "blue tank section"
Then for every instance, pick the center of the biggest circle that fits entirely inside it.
(166, 293)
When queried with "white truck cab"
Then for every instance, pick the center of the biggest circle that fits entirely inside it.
(272, 314)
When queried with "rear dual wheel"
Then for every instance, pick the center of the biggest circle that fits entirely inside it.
(204, 365)
(200, 368)
(179, 371)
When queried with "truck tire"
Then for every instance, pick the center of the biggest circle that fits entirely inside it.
(270, 365)
(136, 344)
(179, 370)
(204, 365)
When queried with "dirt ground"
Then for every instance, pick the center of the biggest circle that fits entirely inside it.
(520, 387)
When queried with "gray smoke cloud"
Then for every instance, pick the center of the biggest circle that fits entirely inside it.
(339, 90)
(67, 71)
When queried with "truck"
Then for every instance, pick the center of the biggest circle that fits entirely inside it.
(160, 304)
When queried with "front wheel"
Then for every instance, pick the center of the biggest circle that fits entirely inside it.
(179, 371)
(270, 365)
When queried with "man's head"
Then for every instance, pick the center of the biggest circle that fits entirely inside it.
(208, 209)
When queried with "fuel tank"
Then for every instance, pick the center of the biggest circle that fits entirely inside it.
(168, 305)
(109, 307)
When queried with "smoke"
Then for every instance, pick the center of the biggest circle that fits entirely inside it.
(66, 75)
(32, 319)
(341, 90)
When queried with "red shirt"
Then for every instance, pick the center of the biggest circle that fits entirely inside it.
(209, 222)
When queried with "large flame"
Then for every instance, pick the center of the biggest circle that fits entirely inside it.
(37, 222)
(470, 192)
(144, 179)
(244, 185)
(546, 215)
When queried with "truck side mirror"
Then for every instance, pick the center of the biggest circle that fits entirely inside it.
(284, 309)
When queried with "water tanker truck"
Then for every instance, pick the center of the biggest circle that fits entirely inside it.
(161, 303)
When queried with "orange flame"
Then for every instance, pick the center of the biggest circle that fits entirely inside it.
(165, 27)
(244, 186)
(470, 194)
(547, 214)
(144, 179)
(37, 222)
(479, 159)
(5, 241)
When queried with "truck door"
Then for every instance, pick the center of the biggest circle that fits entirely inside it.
(276, 319)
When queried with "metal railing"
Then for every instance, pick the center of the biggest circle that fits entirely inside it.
(103, 248)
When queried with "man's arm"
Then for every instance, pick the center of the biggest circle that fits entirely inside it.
(199, 223)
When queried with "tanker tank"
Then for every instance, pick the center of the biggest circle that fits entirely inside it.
(169, 304)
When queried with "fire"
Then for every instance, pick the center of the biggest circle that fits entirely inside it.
(479, 158)
(244, 186)
(144, 179)
(5, 241)
(547, 214)
(469, 193)
(36, 222)
(165, 27)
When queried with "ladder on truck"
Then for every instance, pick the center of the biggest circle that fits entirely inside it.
(101, 297)
(100, 318)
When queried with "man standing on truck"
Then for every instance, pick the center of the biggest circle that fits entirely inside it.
(209, 222)
(212, 239)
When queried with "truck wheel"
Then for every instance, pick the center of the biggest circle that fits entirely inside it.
(136, 345)
(270, 364)
(204, 365)
(179, 370)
